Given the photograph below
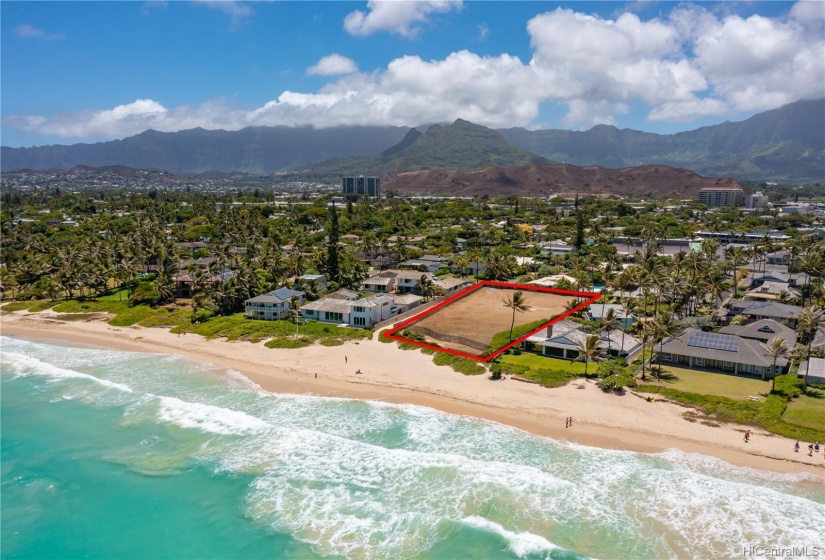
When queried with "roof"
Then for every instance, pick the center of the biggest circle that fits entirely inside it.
(406, 299)
(328, 304)
(413, 275)
(450, 283)
(276, 296)
(815, 367)
(717, 346)
(344, 293)
(379, 280)
(767, 309)
(764, 330)
(599, 310)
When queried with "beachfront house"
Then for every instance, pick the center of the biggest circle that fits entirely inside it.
(406, 302)
(452, 285)
(716, 351)
(360, 313)
(563, 339)
(271, 306)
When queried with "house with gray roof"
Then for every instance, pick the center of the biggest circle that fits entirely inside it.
(772, 291)
(271, 306)
(563, 338)
(755, 311)
(717, 351)
(407, 281)
(765, 330)
(597, 312)
(814, 368)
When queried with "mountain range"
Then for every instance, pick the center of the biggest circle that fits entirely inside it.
(785, 144)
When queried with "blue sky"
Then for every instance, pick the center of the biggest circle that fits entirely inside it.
(90, 71)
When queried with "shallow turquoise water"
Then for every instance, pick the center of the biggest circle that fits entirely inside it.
(121, 455)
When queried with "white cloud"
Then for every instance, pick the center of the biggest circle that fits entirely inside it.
(396, 16)
(237, 11)
(333, 65)
(31, 32)
(483, 31)
(692, 65)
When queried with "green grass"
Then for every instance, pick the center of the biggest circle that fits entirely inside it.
(33, 306)
(550, 377)
(103, 304)
(459, 364)
(236, 327)
(332, 342)
(534, 361)
(287, 343)
(708, 383)
(768, 413)
(502, 339)
(807, 410)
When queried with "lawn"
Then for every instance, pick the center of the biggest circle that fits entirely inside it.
(708, 383)
(807, 410)
(534, 361)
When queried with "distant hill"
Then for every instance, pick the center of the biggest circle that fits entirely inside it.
(544, 180)
(783, 144)
(459, 146)
(252, 150)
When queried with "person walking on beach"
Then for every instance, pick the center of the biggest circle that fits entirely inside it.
(345, 359)
(747, 436)
(810, 450)
(796, 447)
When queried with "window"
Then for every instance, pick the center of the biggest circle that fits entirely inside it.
(359, 309)
(359, 321)
(698, 361)
(333, 316)
(667, 357)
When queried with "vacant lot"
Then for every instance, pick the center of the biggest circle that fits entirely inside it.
(482, 314)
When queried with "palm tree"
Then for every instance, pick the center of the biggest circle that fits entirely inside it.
(588, 351)
(811, 319)
(776, 349)
(610, 321)
(516, 302)
(664, 326)
(294, 302)
(426, 286)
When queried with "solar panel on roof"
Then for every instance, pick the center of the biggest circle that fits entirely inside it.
(714, 341)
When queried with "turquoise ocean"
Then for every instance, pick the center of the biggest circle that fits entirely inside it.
(109, 454)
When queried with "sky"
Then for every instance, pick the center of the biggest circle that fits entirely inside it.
(92, 71)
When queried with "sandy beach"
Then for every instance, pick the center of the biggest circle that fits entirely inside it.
(393, 375)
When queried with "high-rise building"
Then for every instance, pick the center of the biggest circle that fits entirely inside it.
(365, 186)
(715, 197)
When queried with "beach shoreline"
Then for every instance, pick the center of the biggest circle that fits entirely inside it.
(410, 377)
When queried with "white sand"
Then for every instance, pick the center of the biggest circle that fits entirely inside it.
(394, 375)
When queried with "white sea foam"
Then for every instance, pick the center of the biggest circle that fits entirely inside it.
(520, 543)
(28, 365)
(208, 418)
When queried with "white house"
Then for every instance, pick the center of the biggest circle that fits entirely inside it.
(360, 313)
(407, 281)
(271, 306)
(381, 283)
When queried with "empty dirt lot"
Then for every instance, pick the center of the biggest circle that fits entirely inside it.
(482, 314)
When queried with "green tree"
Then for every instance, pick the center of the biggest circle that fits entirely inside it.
(333, 240)
(776, 349)
(811, 319)
(588, 351)
(516, 302)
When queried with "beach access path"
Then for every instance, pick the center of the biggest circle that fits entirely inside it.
(393, 375)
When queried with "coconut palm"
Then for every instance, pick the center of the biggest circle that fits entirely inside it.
(588, 351)
(426, 286)
(610, 321)
(664, 326)
(777, 348)
(516, 302)
(811, 319)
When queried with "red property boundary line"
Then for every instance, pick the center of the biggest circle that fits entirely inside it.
(592, 297)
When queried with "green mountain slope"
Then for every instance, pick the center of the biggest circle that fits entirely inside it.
(461, 146)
